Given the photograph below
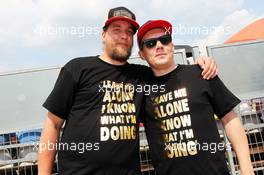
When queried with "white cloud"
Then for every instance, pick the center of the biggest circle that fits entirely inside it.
(230, 25)
(20, 21)
(16, 18)
(190, 12)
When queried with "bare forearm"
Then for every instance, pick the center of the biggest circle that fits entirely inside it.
(47, 148)
(236, 135)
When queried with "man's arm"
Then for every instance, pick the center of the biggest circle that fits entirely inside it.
(209, 67)
(237, 137)
(49, 138)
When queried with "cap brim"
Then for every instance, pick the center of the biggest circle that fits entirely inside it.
(153, 25)
(131, 21)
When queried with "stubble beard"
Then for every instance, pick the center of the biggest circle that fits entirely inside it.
(121, 54)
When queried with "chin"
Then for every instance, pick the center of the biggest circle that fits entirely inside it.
(120, 54)
(162, 61)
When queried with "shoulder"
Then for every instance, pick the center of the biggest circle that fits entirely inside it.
(191, 67)
(75, 67)
(140, 69)
(78, 62)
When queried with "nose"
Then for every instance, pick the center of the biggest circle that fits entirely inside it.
(124, 35)
(159, 45)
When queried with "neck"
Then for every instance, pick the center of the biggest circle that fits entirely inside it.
(105, 57)
(163, 71)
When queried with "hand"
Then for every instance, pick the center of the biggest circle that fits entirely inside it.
(209, 67)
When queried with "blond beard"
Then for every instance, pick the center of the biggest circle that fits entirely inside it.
(120, 54)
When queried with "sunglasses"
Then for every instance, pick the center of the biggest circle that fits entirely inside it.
(150, 43)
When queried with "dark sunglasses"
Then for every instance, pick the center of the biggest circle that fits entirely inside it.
(150, 43)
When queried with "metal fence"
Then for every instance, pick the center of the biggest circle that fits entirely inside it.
(18, 156)
(251, 113)
(18, 152)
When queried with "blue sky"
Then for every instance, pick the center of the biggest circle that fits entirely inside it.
(44, 33)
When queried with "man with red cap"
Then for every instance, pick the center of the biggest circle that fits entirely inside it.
(96, 99)
(180, 125)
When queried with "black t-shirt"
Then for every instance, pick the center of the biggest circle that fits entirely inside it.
(180, 124)
(101, 107)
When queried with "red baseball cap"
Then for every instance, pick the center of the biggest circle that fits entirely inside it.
(121, 13)
(153, 24)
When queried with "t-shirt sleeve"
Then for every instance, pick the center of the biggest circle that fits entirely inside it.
(60, 100)
(222, 99)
